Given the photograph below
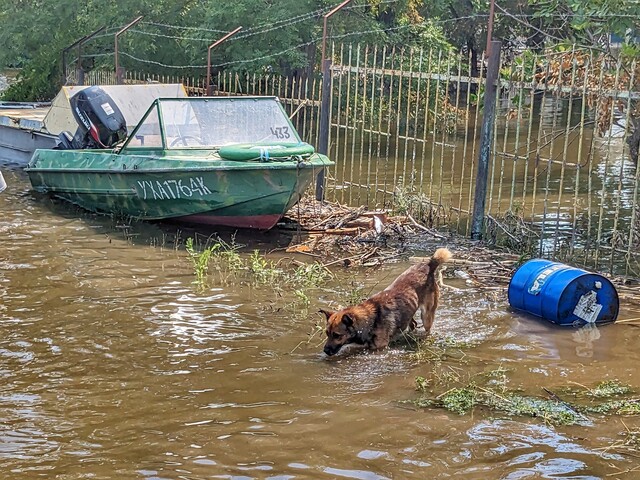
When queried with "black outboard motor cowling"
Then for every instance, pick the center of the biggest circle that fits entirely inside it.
(100, 121)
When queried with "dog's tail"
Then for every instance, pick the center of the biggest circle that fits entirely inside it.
(440, 256)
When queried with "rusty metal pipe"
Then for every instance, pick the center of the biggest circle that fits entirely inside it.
(121, 31)
(77, 43)
(324, 28)
(215, 44)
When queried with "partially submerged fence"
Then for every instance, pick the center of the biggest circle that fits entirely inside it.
(404, 134)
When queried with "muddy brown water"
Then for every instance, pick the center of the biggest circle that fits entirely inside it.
(114, 365)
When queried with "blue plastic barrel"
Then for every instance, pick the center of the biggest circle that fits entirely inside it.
(562, 294)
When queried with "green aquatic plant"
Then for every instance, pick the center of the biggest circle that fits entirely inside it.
(551, 411)
(310, 275)
(462, 400)
(227, 256)
(264, 270)
(355, 294)
(617, 407)
(200, 260)
(422, 384)
(301, 298)
(438, 348)
(609, 388)
(459, 400)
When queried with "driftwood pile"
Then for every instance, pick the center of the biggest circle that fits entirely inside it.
(340, 235)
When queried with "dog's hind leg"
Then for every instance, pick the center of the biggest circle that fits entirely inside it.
(428, 315)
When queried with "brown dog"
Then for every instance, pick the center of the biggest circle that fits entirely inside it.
(374, 322)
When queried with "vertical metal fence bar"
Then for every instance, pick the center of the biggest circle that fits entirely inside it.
(287, 96)
(347, 118)
(362, 125)
(565, 148)
(425, 121)
(407, 116)
(416, 113)
(505, 137)
(445, 126)
(615, 238)
(315, 118)
(398, 114)
(372, 101)
(536, 167)
(474, 150)
(341, 161)
(392, 59)
(465, 143)
(605, 173)
(330, 114)
(304, 96)
(592, 246)
(453, 182)
(547, 185)
(528, 150)
(516, 146)
(353, 112)
(579, 165)
(634, 222)
(381, 114)
(436, 107)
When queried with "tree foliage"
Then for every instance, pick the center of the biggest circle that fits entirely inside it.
(590, 22)
(280, 36)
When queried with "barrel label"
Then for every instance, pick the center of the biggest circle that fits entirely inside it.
(542, 277)
(587, 308)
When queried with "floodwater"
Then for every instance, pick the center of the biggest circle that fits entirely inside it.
(115, 365)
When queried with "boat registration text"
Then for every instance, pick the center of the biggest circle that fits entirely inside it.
(172, 189)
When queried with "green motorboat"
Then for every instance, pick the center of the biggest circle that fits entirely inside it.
(230, 161)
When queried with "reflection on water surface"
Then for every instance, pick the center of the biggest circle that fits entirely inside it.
(115, 366)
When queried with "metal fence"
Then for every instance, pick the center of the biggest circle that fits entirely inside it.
(405, 134)
(405, 128)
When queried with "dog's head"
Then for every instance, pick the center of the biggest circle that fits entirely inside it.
(340, 330)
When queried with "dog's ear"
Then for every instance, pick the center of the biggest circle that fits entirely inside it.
(326, 312)
(347, 320)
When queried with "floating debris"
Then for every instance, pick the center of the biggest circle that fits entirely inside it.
(463, 400)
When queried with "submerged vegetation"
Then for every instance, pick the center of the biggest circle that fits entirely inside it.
(285, 274)
(489, 390)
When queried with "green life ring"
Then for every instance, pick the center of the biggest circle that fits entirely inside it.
(264, 151)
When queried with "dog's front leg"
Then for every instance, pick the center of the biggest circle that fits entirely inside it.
(380, 340)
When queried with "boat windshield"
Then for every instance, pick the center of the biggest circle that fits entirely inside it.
(214, 122)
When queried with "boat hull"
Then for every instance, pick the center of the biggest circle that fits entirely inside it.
(17, 145)
(193, 188)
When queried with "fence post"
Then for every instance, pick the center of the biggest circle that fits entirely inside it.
(486, 140)
(325, 122)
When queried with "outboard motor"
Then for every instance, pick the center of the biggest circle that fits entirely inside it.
(100, 121)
